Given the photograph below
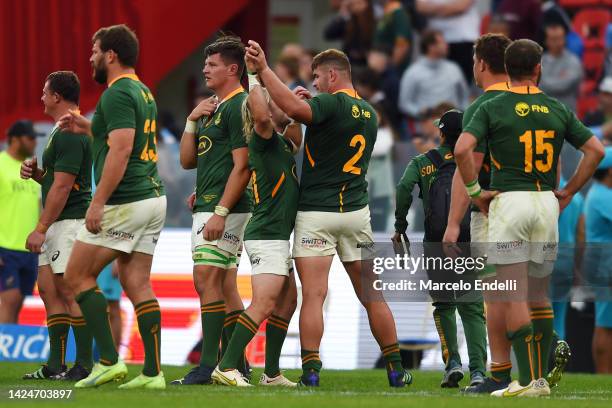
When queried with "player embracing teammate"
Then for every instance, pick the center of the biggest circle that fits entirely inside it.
(333, 214)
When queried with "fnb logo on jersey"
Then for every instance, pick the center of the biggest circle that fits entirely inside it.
(522, 109)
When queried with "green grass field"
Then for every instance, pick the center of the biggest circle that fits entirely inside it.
(356, 388)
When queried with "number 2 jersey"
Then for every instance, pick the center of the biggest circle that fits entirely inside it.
(337, 150)
(525, 130)
(128, 104)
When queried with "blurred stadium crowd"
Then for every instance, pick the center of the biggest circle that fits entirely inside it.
(412, 60)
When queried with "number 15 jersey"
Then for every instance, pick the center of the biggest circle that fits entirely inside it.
(525, 130)
(337, 150)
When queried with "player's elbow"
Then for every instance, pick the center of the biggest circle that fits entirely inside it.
(187, 163)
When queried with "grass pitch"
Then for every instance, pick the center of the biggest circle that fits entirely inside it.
(355, 388)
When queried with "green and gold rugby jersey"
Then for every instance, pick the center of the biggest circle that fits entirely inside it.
(128, 104)
(216, 137)
(422, 172)
(68, 153)
(275, 189)
(337, 150)
(525, 130)
(484, 176)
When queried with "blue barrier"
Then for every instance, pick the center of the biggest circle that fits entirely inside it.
(29, 343)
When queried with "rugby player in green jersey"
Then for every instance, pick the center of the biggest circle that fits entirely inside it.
(127, 211)
(66, 192)
(525, 130)
(266, 238)
(213, 143)
(333, 214)
(489, 75)
(423, 170)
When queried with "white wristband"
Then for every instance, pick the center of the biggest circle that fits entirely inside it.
(190, 126)
(253, 81)
(221, 211)
(473, 188)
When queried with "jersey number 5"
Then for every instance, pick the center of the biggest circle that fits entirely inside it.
(541, 147)
(349, 166)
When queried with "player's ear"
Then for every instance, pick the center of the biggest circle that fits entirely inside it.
(233, 69)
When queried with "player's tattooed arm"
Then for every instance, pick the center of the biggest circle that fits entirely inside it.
(295, 107)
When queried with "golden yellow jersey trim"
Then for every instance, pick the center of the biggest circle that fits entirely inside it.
(131, 76)
(350, 92)
(525, 90)
(498, 86)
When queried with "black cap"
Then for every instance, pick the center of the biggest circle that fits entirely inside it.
(450, 123)
(23, 127)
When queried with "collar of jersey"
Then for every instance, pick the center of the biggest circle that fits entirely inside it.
(499, 86)
(131, 76)
(525, 90)
(350, 92)
(232, 94)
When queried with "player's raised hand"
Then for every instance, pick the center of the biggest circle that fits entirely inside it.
(74, 122)
(484, 200)
(256, 56)
(302, 92)
(205, 108)
(564, 198)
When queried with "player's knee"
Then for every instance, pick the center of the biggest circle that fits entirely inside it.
(264, 305)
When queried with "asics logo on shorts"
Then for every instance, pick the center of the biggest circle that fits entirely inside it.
(201, 229)
(56, 255)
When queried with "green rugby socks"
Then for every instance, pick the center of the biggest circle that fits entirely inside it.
(148, 314)
(542, 320)
(244, 332)
(393, 359)
(84, 342)
(213, 316)
(523, 346)
(276, 332)
(58, 326)
(95, 310)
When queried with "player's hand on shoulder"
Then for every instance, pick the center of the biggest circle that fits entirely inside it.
(256, 57)
(74, 122)
(564, 198)
(35, 241)
(484, 200)
(214, 228)
(205, 108)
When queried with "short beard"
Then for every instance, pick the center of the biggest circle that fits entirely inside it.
(100, 75)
